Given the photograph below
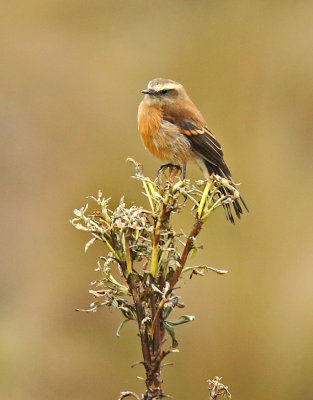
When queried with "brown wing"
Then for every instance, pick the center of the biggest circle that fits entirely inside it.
(203, 143)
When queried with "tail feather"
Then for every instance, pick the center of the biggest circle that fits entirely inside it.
(223, 191)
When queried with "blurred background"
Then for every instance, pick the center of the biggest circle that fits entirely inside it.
(70, 79)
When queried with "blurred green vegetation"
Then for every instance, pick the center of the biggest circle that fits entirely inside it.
(70, 79)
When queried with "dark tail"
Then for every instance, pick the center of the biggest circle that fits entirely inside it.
(223, 191)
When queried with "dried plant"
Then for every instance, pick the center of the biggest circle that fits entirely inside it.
(216, 388)
(151, 258)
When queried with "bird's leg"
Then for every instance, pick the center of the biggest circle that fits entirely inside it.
(184, 170)
(169, 165)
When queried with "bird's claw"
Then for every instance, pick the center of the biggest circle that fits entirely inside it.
(169, 165)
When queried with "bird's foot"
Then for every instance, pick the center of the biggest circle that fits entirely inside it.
(170, 166)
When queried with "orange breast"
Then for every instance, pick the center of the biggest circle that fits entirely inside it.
(149, 122)
(162, 138)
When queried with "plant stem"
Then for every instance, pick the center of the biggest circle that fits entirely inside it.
(204, 197)
(140, 317)
(164, 214)
(129, 262)
(188, 247)
(155, 248)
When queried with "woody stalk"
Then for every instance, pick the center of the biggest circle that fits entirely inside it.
(146, 258)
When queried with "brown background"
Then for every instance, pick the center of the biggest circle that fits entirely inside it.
(70, 79)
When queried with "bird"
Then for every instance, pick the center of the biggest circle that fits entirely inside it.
(174, 130)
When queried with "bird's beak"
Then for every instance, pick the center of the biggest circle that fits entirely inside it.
(146, 91)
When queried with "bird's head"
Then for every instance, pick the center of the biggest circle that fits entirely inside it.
(162, 92)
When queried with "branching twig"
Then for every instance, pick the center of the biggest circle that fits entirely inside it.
(127, 394)
(135, 236)
(216, 388)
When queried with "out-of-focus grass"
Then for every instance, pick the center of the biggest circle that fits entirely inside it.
(70, 78)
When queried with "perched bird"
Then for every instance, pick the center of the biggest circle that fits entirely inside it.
(174, 130)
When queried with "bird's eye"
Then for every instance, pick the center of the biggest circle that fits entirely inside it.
(164, 91)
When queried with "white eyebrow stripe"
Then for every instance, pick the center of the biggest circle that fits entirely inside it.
(167, 86)
(163, 86)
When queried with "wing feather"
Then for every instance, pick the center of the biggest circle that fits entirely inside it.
(205, 146)
(203, 143)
